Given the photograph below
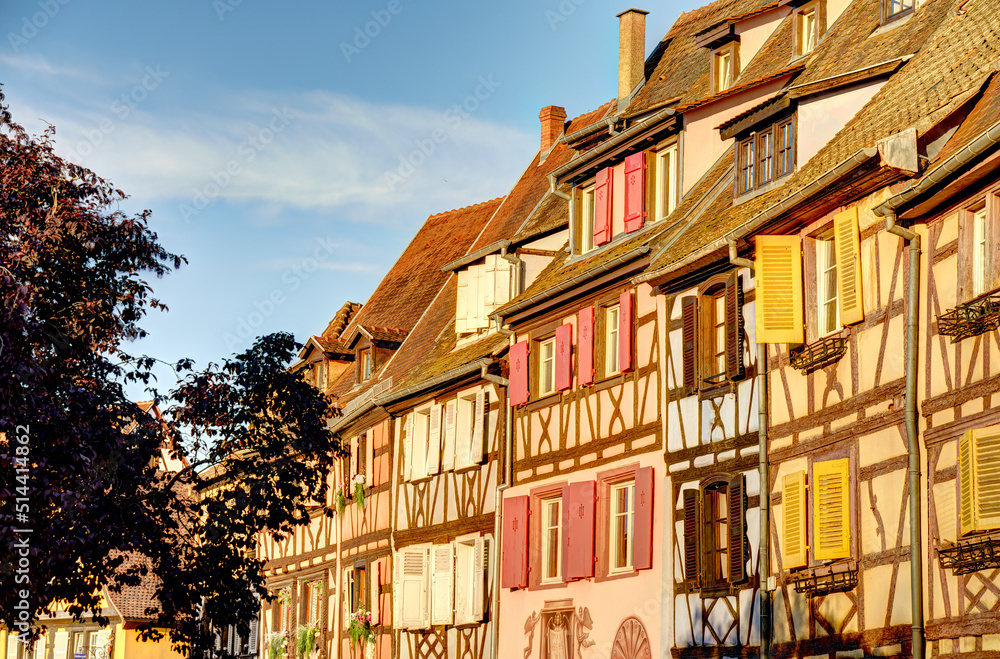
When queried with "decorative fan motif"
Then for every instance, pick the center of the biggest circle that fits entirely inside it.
(631, 641)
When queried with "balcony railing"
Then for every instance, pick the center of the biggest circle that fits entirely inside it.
(972, 553)
(971, 319)
(808, 358)
(824, 579)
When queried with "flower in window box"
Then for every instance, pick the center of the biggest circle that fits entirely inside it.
(360, 631)
(359, 488)
(276, 643)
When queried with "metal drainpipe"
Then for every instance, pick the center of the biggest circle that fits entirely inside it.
(763, 469)
(916, 544)
(518, 264)
(498, 516)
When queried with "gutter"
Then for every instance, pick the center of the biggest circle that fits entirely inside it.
(475, 256)
(405, 392)
(513, 308)
(888, 209)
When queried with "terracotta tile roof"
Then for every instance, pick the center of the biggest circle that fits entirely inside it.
(341, 319)
(385, 334)
(742, 87)
(331, 346)
(984, 113)
(137, 602)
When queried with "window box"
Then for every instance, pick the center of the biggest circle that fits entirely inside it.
(825, 579)
(972, 553)
(971, 319)
(808, 358)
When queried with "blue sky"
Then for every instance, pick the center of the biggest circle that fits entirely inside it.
(267, 137)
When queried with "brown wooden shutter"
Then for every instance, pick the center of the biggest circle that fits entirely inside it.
(739, 550)
(692, 524)
(966, 222)
(689, 312)
(779, 289)
(642, 536)
(735, 369)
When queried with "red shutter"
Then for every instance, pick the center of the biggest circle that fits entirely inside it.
(739, 550)
(734, 328)
(691, 525)
(564, 364)
(578, 530)
(519, 373)
(602, 207)
(514, 562)
(585, 346)
(625, 332)
(635, 191)
(642, 539)
(689, 311)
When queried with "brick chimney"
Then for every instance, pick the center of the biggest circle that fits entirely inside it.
(631, 50)
(553, 120)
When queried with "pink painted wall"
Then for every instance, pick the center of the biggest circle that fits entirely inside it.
(755, 31)
(820, 118)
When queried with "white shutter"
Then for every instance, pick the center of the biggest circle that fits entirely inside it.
(254, 636)
(415, 610)
(463, 582)
(462, 302)
(104, 639)
(397, 591)
(12, 645)
(62, 640)
(442, 605)
(370, 458)
(418, 466)
(477, 284)
(448, 435)
(434, 441)
(41, 646)
(478, 605)
(374, 579)
(354, 461)
(232, 642)
(463, 436)
(408, 447)
(476, 450)
(488, 292)
(504, 276)
(347, 587)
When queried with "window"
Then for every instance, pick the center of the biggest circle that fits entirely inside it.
(827, 307)
(354, 590)
(713, 334)
(765, 156)
(366, 364)
(552, 540)
(667, 180)
(979, 479)
(980, 253)
(831, 514)
(612, 326)
(725, 67)
(716, 550)
(715, 352)
(285, 609)
(978, 241)
(314, 602)
(471, 426)
(622, 526)
(442, 584)
(892, 9)
(482, 288)
(810, 23)
(832, 266)
(587, 220)
(547, 367)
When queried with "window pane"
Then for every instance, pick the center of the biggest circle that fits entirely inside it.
(611, 343)
(826, 271)
(979, 253)
(587, 225)
(551, 541)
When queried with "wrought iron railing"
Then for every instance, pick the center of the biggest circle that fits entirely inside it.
(971, 319)
(818, 354)
(972, 553)
(824, 579)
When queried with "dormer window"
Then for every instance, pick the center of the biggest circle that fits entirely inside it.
(482, 289)
(765, 155)
(893, 9)
(587, 219)
(365, 359)
(667, 180)
(810, 24)
(725, 66)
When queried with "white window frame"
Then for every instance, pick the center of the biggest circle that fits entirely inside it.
(614, 528)
(547, 367)
(826, 299)
(980, 253)
(366, 364)
(805, 25)
(471, 425)
(547, 548)
(587, 211)
(421, 440)
(612, 360)
(667, 179)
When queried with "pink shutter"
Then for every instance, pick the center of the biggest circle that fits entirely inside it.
(625, 332)
(514, 561)
(585, 346)
(635, 191)
(602, 207)
(564, 365)
(578, 530)
(642, 540)
(519, 373)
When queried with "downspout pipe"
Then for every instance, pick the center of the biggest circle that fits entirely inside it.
(763, 470)
(505, 478)
(518, 264)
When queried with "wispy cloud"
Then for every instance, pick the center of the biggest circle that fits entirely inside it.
(34, 64)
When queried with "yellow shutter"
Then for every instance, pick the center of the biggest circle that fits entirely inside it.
(846, 243)
(832, 510)
(793, 503)
(779, 289)
(987, 477)
(966, 482)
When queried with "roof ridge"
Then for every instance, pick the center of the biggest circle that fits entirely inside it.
(466, 208)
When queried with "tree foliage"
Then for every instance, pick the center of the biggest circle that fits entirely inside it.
(78, 459)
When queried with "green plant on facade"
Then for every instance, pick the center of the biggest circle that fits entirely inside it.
(276, 642)
(305, 639)
(360, 631)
